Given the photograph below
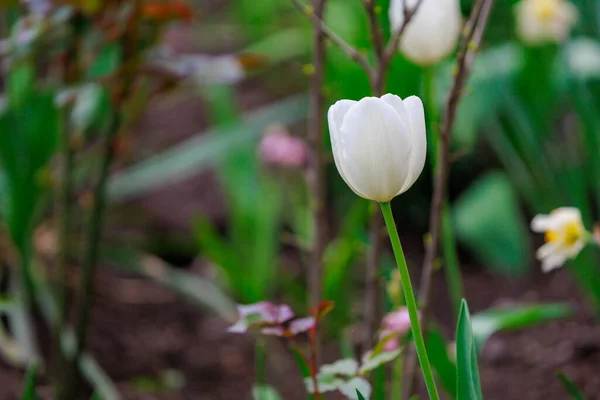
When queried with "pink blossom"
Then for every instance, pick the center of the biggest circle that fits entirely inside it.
(396, 324)
(301, 325)
(263, 313)
(279, 148)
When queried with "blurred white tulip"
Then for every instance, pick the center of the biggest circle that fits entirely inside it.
(544, 21)
(564, 234)
(432, 33)
(379, 144)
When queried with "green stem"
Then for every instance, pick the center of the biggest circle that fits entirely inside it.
(93, 240)
(397, 374)
(411, 302)
(63, 259)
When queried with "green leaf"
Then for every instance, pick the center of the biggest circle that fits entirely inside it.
(28, 141)
(570, 386)
(264, 392)
(198, 290)
(282, 45)
(107, 61)
(467, 371)
(29, 392)
(489, 222)
(372, 361)
(359, 395)
(440, 360)
(203, 150)
(489, 322)
(20, 83)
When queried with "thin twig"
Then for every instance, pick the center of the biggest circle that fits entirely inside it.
(392, 46)
(315, 176)
(350, 51)
(473, 35)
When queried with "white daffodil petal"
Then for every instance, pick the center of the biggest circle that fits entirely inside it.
(374, 149)
(553, 261)
(418, 135)
(546, 250)
(542, 223)
(543, 21)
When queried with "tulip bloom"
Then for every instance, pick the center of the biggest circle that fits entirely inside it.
(564, 234)
(543, 21)
(379, 144)
(433, 32)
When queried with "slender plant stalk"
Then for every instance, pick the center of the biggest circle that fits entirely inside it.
(397, 374)
(411, 302)
(316, 181)
(95, 223)
(63, 257)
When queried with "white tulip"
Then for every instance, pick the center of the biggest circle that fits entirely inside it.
(543, 21)
(379, 144)
(564, 234)
(432, 33)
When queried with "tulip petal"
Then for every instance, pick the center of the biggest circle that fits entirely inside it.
(418, 135)
(374, 149)
(432, 33)
(396, 102)
(335, 118)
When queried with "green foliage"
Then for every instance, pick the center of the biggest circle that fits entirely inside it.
(360, 396)
(467, 372)
(486, 323)
(197, 290)
(30, 127)
(203, 150)
(437, 350)
(264, 392)
(570, 386)
(29, 391)
(488, 221)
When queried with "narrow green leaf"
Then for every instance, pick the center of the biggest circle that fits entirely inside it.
(489, 322)
(488, 221)
(570, 386)
(196, 289)
(203, 150)
(440, 360)
(264, 392)
(468, 382)
(360, 396)
(29, 392)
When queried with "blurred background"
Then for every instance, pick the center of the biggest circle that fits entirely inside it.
(205, 105)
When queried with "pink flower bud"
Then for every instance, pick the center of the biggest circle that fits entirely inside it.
(396, 324)
(279, 148)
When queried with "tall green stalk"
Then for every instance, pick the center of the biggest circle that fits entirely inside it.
(411, 302)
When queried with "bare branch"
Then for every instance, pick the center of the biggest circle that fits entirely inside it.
(315, 176)
(394, 42)
(350, 51)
